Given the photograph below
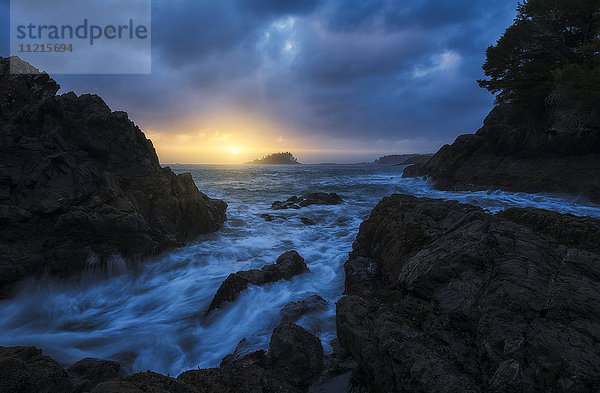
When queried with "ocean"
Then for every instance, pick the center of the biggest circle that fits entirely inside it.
(151, 314)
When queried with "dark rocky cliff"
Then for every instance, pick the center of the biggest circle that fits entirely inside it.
(80, 184)
(557, 150)
(444, 297)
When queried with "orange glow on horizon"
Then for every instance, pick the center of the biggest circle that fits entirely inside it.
(227, 138)
(238, 137)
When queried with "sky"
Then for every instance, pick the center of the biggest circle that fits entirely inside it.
(329, 80)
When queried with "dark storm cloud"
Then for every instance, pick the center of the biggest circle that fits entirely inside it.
(270, 7)
(363, 70)
(4, 27)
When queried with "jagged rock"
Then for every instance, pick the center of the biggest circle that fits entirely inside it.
(80, 184)
(556, 151)
(269, 217)
(296, 354)
(243, 348)
(307, 221)
(316, 198)
(90, 372)
(293, 362)
(25, 369)
(144, 382)
(290, 203)
(445, 297)
(294, 310)
(288, 265)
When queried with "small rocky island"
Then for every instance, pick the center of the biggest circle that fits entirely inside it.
(286, 158)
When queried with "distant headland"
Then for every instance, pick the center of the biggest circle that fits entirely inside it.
(286, 158)
(403, 159)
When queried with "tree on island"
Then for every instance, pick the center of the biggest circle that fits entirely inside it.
(276, 158)
(552, 44)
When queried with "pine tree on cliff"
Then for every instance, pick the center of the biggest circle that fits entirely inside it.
(552, 44)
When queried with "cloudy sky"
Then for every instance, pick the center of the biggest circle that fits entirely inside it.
(329, 80)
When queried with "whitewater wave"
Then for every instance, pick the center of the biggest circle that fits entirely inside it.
(151, 315)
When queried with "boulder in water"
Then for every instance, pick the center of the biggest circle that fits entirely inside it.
(295, 310)
(315, 198)
(288, 265)
(307, 221)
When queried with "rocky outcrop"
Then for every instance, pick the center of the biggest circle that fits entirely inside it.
(294, 360)
(80, 184)
(271, 218)
(90, 372)
(287, 266)
(293, 311)
(419, 159)
(25, 369)
(556, 151)
(315, 198)
(394, 159)
(403, 159)
(307, 221)
(144, 382)
(446, 297)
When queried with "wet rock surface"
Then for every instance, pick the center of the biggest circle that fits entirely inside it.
(26, 369)
(316, 198)
(270, 217)
(307, 221)
(293, 311)
(80, 184)
(89, 372)
(557, 151)
(446, 297)
(293, 361)
(287, 266)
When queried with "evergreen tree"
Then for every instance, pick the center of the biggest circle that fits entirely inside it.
(552, 43)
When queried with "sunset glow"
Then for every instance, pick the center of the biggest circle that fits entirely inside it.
(226, 138)
(235, 137)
